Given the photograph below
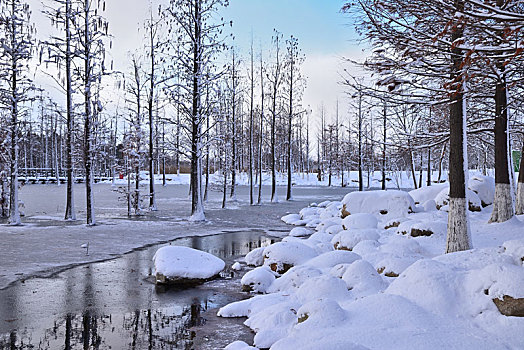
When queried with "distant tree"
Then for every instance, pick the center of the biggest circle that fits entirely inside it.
(199, 39)
(17, 47)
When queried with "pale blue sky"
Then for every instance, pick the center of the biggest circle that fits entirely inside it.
(325, 35)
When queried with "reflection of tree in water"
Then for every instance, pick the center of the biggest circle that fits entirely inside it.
(142, 329)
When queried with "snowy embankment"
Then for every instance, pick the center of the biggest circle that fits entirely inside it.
(373, 276)
(395, 180)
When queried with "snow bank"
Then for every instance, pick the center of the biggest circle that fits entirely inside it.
(394, 289)
(424, 194)
(175, 264)
(390, 203)
(484, 187)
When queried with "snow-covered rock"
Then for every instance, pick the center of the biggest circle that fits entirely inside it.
(347, 240)
(255, 257)
(236, 266)
(281, 256)
(484, 187)
(391, 203)
(300, 232)
(330, 259)
(258, 280)
(290, 219)
(426, 193)
(359, 221)
(175, 264)
(442, 200)
(239, 345)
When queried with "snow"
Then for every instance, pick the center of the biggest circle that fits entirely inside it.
(183, 263)
(424, 194)
(395, 289)
(284, 254)
(255, 257)
(300, 232)
(236, 266)
(258, 280)
(387, 203)
(484, 187)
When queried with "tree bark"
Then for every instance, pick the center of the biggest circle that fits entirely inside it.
(503, 202)
(520, 186)
(458, 235)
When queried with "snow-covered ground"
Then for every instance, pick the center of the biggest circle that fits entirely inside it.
(373, 276)
(46, 244)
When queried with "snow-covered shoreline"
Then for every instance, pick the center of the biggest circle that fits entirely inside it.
(388, 285)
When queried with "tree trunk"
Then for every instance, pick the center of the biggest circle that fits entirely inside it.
(503, 202)
(458, 235)
(197, 206)
(520, 186)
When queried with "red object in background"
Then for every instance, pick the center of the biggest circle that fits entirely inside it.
(121, 176)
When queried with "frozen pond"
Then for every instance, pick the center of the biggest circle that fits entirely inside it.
(52, 295)
(114, 304)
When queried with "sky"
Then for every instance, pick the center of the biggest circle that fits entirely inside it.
(325, 36)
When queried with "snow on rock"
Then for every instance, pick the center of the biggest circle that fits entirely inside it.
(239, 345)
(293, 279)
(255, 257)
(484, 187)
(362, 279)
(424, 194)
(236, 266)
(330, 259)
(175, 264)
(386, 203)
(429, 284)
(258, 280)
(442, 200)
(309, 212)
(415, 228)
(515, 248)
(281, 256)
(319, 313)
(359, 221)
(300, 232)
(322, 287)
(290, 219)
(347, 240)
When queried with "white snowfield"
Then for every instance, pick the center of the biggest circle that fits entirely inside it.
(386, 288)
(177, 264)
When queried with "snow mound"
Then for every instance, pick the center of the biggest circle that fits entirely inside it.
(442, 200)
(362, 279)
(290, 219)
(515, 248)
(281, 256)
(239, 345)
(359, 221)
(182, 264)
(258, 280)
(484, 187)
(255, 257)
(330, 259)
(415, 228)
(390, 203)
(236, 266)
(300, 232)
(322, 287)
(347, 240)
(424, 194)
(294, 278)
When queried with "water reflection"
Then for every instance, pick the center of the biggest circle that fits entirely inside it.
(113, 305)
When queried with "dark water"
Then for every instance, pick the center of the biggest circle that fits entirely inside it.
(115, 305)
